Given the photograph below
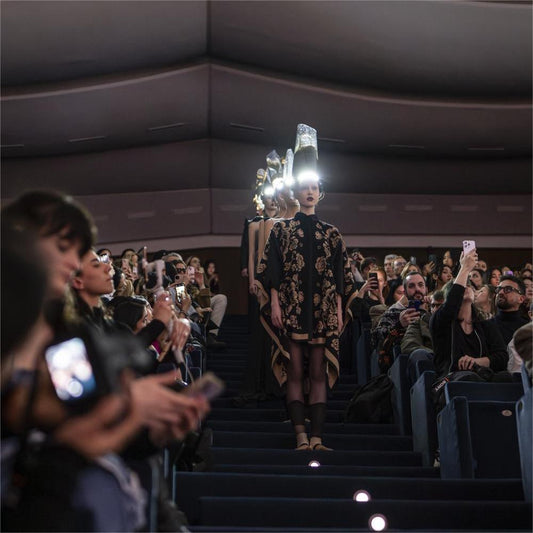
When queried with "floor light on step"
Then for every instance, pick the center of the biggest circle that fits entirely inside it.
(314, 464)
(378, 522)
(361, 496)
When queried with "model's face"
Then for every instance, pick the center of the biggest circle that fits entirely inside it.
(95, 277)
(415, 286)
(508, 297)
(308, 194)
(446, 274)
(475, 279)
(61, 257)
(270, 203)
(495, 278)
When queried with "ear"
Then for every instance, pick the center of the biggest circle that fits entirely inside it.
(77, 283)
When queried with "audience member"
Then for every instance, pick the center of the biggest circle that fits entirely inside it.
(388, 265)
(484, 301)
(481, 265)
(367, 264)
(392, 325)
(213, 280)
(441, 276)
(408, 268)
(370, 295)
(399, 263)
(461, 339)
(510, 294)
(476, 278)
(493, 276)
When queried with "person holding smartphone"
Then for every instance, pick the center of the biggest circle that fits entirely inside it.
(461, 339)
(370, 295)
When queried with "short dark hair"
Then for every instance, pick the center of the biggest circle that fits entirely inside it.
(514, 279)
(412, 274)
(47, 213)
(367, 261)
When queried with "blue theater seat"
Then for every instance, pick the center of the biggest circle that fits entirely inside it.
(478, 439)
(401, 406)
(524, 416)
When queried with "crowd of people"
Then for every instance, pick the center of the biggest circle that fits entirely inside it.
(96, 360)
(97, 350)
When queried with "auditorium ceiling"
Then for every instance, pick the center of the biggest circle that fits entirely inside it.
(412, 97)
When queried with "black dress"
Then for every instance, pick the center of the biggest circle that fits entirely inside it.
(305, 260)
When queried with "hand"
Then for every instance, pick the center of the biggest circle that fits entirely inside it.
(103, 429)
(244, 273)
(276, 315)
(468, 261)
(252, 287)
(466, 362)
(163, 310)
(428, 268)
(181, 330)
(408, 316)
(186, 303)
(368, 286)
(160, 406)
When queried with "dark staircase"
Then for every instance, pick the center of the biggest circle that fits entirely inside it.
(260, 483)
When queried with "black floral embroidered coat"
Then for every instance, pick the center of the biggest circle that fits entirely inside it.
(305, 260)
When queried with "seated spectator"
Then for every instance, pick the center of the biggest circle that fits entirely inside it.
(450, 259)
(510, 295)
(213, 280)
(484, 300)
(417, 341)
(369, 295)
(367, 264)
(461, 338)
(399, 264)
(526, 273)
(476, 278)
(356, 258)
(493, 276)
(481, 265)
(392, 325)
(441, 276)
(521, 348)
(396, 291)
(408, 268)
(528, 285)
(388, 265)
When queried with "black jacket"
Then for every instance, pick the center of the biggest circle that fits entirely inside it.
(444, 328)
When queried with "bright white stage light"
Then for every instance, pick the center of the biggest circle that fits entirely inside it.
(278, 183)
(377, 522)
(361, 496)
(308, 176)
(269, 191)
(314, 464)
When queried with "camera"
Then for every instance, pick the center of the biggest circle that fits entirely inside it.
(415, 304)
(88, 367)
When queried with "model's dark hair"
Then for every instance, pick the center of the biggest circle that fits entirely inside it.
(48, 213)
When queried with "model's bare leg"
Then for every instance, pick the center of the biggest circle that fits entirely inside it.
(295, 396)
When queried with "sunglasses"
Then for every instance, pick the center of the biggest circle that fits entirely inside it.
(181, 270)
(507, 290)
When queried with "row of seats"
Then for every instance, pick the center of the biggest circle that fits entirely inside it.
(483, 431)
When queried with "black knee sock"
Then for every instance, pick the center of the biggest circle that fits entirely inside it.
(296, 412)
(318, 417)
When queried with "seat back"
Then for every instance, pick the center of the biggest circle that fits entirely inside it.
(478, 391)
(524, 418)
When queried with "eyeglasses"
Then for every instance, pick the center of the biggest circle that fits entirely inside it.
(507, 290)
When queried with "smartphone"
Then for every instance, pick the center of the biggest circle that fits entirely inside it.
(468, 246)
(180, 291)
(432, 258)
(415, 304)
(412, 260)
(208, 385)
(71, 372)
(373, 276)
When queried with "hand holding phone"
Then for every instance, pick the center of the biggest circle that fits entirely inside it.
(208, 386)
(373, 279)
